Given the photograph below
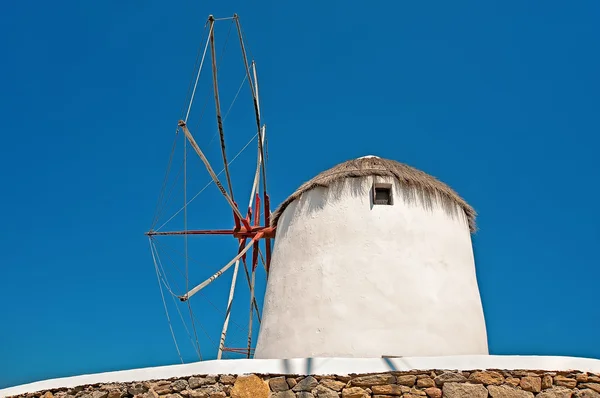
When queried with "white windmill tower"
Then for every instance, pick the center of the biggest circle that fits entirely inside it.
(372, 258)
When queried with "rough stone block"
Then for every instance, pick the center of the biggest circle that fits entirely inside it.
(306, 384)
(137, 389)
(416, 392)
(587, 393)
(179, 385)
(462, 390)
(150, 394)
(425, 382)
(390, 389)
(333, 384)
(324, 392)
(198, 394)
(565, 381)
(196, 382)
(556, 392)
(250, 386)
(508, 392)
(227, 379)
(531, 383)
(433, 392)
(513, 381)
(291, 382)
(374, 380)
(407, 380)
(486, 378)
(546, 382)
(449, 377)
(283, 394)
(117, 393)
(591, 386)
(278, 384)
(355, 392)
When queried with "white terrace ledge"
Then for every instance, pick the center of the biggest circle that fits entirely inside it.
(318, 366)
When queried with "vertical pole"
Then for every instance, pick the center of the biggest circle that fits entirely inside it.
(254, 264)
(256, 88)
(229, 301)
(251, 311)
(267, 208)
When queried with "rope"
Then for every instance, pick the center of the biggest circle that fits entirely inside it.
(193, 318)
(165, 304)
(158, 213)
(189, 89)
(165, 202)
(155, 242)
(185, 228)
(218, 68)
(198, 75)
(173, 295)
(162, 189)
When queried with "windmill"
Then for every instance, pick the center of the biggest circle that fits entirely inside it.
(250, 225)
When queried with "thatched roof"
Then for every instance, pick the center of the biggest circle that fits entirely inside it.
(412, 179)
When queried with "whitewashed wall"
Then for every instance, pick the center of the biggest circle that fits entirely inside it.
(349, 279)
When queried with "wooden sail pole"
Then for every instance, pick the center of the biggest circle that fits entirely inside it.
(220, 272)
(212, 173)
(229, 302)
(254, 98)
(218, 104)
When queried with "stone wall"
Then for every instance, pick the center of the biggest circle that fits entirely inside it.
(417, 384)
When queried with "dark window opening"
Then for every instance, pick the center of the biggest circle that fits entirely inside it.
(382, 194)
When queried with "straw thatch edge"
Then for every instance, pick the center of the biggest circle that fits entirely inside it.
(408, 176)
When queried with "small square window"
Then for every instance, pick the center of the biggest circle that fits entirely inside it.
(382, 194)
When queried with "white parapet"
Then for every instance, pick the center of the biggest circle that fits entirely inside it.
(351, 278)
(316, 366)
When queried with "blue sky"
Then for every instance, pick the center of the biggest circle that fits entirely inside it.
(498, 99)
